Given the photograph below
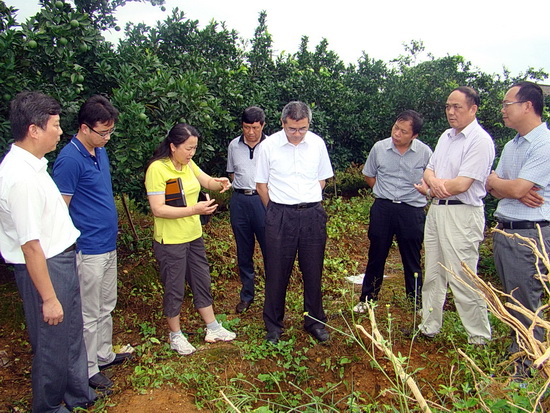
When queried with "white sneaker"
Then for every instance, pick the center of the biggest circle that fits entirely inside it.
(360, 308)
(220, 334)
(181, 345)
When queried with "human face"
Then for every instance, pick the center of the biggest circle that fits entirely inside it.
(459, 112)
(512, 108)
(295, 130)
(98, 135)
(50, 135)
(252, 132)
(402, 134)
(183, 153)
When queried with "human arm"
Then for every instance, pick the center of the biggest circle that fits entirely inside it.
(161, 210)
(261, 188)
(444, 188)
(214, 184)
(423, 188)
(371, 180)
(67, 199)
(52, 310)
(509, 188)
(323, 183)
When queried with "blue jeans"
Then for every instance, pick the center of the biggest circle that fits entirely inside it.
(59, 366)
(248, 223)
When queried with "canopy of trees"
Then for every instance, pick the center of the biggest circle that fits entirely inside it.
(178, 72)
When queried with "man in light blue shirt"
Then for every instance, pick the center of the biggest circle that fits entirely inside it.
(393, 167)
(522, 182)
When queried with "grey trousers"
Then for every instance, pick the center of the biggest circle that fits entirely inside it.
(515, 264)
(59, 372)
(98, 289)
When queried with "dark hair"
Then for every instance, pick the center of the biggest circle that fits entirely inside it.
(97, 109)
(296, 110)
(31, 108)
(414, 117)
(177, 135)
(531, 92)
(472, 97)
(253, 114)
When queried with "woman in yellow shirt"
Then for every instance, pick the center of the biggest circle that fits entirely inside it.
(178, 243)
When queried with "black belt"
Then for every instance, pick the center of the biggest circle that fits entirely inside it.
(70, 248)
(521, 224)
(303, 205)
(447, 202)
(246, 191)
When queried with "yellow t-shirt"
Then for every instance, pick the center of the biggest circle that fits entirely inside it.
(175, 230)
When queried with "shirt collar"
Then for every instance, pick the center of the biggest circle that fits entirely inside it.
(531, 136)
(391, 146)
(26, 156)
(283, 140)
(466, 131)
(82, 149)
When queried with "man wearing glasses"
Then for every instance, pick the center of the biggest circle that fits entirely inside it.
(82, 174)
(522, 183)
(292, 167)
(247, 209)
(455, 177)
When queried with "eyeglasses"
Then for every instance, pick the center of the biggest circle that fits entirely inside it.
(103, 134)
(301, 130)
(506, 104)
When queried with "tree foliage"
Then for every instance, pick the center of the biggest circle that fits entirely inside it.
(177, 71)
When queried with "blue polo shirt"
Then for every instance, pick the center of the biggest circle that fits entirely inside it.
(88, 180)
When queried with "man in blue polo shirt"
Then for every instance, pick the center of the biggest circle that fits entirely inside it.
(247, 209)
(82, 174)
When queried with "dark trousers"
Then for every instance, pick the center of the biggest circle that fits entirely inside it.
(406, 223)
(290, 232)
(60, 365)
(248, 223)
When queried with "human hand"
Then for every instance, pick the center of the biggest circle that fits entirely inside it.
(491, 180)
(422, 187)
(224, 183)
(532, 199)
(205, 207)
(52, 310)
(437, 188)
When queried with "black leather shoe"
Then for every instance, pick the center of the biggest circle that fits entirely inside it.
(273, 337)
(321, 334)
(242, 306)
(119, 359)
(100, 381)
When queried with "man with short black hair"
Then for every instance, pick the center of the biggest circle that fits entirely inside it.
(247, 212)
(293, 165)
(82, 174)
(393, 166)
(522, 183)
(38, 236)
(455, 177)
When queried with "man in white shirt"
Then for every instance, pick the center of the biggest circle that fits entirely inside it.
(292, 167)
(455, 177)
(38, 237)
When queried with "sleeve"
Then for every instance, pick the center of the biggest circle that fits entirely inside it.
(26, 203)
(478, 160)
(262, 165)
(536, 168)
(230, 167)
(66, 174)
(325, 168)
(371, 166)
(155, 184)
(195, 168)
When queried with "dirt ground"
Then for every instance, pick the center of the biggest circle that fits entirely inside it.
(429, 356)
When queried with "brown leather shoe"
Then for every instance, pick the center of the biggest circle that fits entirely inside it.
(242, 306)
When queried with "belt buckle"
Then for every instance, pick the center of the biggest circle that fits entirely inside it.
(396, 201)
(249, 192)
(301, 206)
